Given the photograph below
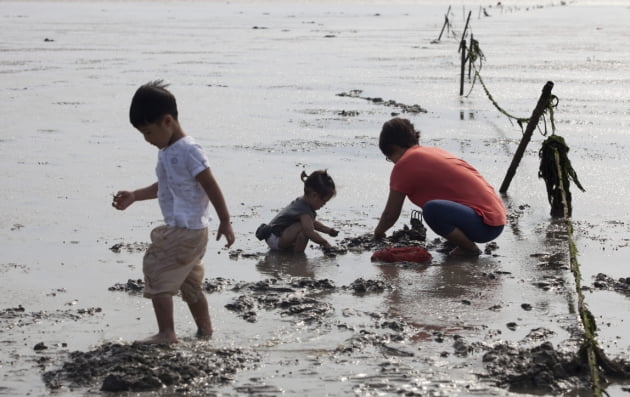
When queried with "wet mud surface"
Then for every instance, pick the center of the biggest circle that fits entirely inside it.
(532, 364)
(332, 322)
(137, 367)
(195, 367)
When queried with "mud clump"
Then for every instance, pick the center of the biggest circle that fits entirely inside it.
(129, 247)
(136, 286)
(308, 309)
(415, 108)
(294, 296)
(605, 282)
(18, 317)
(541, 368)
(216, 284)
(311, 284)
(282, 295)
(131, 286)
(407, 236)
(361, 286)
(141, 367)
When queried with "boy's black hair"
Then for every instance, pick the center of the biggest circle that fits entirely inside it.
(319, 182)
(398, 132)
(150, 103)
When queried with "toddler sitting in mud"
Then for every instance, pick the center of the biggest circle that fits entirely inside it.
(295, 225)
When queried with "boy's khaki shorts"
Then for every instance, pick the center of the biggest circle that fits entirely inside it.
(173, 263)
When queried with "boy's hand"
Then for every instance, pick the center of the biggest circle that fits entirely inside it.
(123, 199)
(225, 229)
(333, 233)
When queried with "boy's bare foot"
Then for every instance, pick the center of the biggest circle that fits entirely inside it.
(159, 339)
(204, 334)
(465, 253)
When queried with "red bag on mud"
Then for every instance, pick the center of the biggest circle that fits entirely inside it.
(402, 254)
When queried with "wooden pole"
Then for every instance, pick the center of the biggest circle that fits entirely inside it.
(445, 22)
(470, 61)
(543, 101)
(462, 47)
(466, 27)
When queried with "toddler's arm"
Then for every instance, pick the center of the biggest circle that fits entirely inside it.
(309, 230)
(320, 227)
(125, 198)
(209, 184)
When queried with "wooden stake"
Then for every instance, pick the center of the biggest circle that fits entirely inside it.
(470, 61)
(445, 22)
(542, 104)
(462, 47)
(466, 27)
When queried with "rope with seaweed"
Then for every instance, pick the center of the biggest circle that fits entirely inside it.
(475, 55)
(557, 172)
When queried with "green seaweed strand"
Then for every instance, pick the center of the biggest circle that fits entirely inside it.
(589, 345)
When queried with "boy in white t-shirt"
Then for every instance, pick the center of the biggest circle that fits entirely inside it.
(185, 187)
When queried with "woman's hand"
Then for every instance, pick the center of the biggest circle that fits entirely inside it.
(390, 214)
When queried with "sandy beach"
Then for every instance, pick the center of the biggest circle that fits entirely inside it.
(269, 89)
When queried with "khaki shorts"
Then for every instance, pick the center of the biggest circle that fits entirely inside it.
(173, 263)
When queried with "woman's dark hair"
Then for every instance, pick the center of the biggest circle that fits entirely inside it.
(398, 132)
(150, 103)
(318, 182)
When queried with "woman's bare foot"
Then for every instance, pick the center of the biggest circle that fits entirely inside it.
(465, 253)
(159, 339)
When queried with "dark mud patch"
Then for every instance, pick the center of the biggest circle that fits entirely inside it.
(514, 214)
(607, 283)
(136, 286)
(611, 235)
(541, 368)
(408, 236)
(404, 108)
(295, 296)
(17, 317)
(131, 286)
(361, 286)
(554, 263)
(138, 367)
(9, 267)
(129, 247)
(308, 309)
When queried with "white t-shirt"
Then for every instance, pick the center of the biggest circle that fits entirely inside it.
(182, 200)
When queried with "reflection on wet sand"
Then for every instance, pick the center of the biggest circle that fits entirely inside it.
(451, 286)
(279, 264)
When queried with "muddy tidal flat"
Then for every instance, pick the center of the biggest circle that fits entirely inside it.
(272, 88)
